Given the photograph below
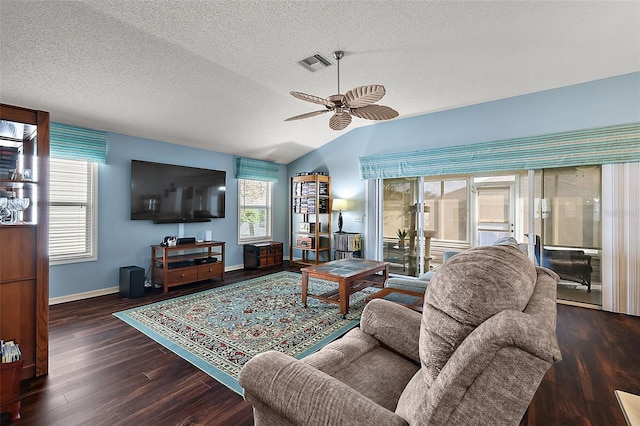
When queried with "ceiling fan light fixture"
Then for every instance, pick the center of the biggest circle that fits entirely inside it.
(359, 102)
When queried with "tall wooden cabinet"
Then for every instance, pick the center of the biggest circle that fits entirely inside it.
(24, 234)
(310, 220)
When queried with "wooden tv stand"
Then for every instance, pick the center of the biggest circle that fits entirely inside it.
(185, 263)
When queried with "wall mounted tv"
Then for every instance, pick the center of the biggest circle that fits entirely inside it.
(167, 193)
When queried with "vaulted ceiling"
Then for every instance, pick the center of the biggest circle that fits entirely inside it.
(217, 74)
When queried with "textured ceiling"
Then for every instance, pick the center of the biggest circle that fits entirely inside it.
(217, 74)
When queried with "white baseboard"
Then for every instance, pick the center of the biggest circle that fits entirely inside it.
(109, 290)
(233, 268)
(85, 295)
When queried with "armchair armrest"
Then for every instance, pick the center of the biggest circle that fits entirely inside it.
(394, 326)
(303, 395)
(413, 284)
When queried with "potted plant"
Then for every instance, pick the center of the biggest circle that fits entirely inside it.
(402, 235)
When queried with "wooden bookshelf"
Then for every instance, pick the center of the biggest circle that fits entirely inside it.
(310, 242)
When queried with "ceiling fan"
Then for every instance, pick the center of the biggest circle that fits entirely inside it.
(358, 102)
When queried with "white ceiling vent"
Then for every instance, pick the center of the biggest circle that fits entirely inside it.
(315, 62)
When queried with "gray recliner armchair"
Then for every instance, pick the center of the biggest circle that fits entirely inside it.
(476, 355)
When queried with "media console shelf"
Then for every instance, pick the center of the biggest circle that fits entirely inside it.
(186, 263)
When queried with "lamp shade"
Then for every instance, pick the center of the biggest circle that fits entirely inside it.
(339, 204)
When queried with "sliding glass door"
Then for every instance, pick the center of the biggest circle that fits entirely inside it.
(557, 210)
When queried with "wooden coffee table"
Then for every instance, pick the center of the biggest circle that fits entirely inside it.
(350, 275)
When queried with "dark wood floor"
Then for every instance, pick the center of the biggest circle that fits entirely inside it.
(104, 372)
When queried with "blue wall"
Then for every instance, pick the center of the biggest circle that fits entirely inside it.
(122, 242)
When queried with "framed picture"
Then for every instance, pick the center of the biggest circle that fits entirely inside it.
(304, 242)
(309, 227)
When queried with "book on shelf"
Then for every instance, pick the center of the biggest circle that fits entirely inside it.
(348, 242)
(10, 351)
(348, 255)
(309, 227)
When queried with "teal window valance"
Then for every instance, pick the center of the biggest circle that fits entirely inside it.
(77, 143)
(248, 168)
(605, 145)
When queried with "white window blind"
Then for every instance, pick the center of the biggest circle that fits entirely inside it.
(72, 196)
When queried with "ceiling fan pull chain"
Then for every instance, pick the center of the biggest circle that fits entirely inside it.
(337, 55)
(338, 59)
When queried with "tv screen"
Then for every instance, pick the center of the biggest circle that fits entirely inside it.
(168, 193)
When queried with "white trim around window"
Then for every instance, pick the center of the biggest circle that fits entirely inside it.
(73, 211)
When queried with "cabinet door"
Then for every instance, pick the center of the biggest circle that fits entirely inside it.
(17, 253)
(18, 319)
(18, 291)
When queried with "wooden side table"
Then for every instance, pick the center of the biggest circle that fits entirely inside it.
(410, 299)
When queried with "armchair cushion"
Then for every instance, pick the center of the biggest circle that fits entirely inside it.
(468, 289)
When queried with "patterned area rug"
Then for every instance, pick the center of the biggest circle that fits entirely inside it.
(219, 330)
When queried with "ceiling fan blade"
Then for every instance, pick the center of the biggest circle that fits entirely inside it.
(364, 95)
(375, 112)
(339, 120)
(307, 115)
(312, 98)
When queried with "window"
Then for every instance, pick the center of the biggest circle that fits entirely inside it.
(571, 207)
(73, 211)
(448, 204)
(254, 211)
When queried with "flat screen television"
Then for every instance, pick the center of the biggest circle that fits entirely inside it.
(167, 193)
